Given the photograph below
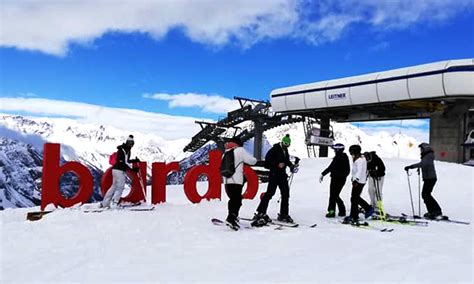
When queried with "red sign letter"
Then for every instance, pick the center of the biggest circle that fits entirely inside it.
(212, 171)
(159, 173)
(52, 172)
(136, 192)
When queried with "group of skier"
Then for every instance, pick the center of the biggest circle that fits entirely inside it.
(367, 167)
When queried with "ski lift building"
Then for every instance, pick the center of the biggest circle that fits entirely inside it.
(442, 91)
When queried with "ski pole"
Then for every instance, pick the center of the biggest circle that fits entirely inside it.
(379, 198)
(411, 198)
(419, 193)
(141, 184)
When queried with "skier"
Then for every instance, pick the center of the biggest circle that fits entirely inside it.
(234, 184)
(339, 169)
(276, 160)
(119, 172)
(376, 170)
(429, 180)
(359, 178)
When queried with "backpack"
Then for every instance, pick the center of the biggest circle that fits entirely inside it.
(113, 159)
(228, 164)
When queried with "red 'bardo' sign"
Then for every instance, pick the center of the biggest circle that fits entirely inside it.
(52, 172)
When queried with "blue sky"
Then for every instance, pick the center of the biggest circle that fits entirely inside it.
(189, 58)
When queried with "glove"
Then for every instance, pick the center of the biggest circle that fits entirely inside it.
(321, 177)
(135, 169)
(295, 169)
(407, 168)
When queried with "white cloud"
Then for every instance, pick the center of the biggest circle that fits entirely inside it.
(208, 103)
(166, 126)
(51, 26)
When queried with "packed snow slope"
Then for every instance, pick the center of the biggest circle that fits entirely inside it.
(177, 242)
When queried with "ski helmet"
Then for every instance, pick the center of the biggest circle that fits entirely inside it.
(355, 150)
(368, 156)
(338, 147)
(286, 141)
(425, 147)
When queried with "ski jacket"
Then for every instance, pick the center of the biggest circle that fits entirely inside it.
(339, 167)
(426, 164)
(241, 157)
(123, 159)
(376, 167)
(276, 155)
(359, 170)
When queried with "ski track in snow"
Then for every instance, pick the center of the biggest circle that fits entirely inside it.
(178, 242)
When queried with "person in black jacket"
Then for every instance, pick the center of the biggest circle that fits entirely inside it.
(276, 160)
(376, 171)
(339, 169)
(428, 173)
(119, 171)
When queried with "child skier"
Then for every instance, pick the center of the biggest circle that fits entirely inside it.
(119, 172)
(234, 184)
(429, 180)
(376, 170)
(277, 159)
(359, 178)
(339, 169)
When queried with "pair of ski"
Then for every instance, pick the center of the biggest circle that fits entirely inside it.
(442, 219)
(366, 225)
(38, 215)
(278, 224)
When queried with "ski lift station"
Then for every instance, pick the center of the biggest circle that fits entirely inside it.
(441, 91)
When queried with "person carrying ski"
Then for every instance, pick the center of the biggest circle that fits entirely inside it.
(276, 160)
(359, 178)
(428, 172)
(339, 169)
(376, 171)
(119, 173)
(235, 183)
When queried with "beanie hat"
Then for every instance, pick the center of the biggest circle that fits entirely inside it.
(286, 141)
(355, 150)
(130, 140)
(338, 147)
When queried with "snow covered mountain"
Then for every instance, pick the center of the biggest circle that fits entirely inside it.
(23, 139)
(20, 176)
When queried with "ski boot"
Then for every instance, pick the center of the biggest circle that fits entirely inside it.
(231, 221)
(260, 220)
(369, 213)
(285, 218)
(342, 214)
(347, 220)
(331, 214)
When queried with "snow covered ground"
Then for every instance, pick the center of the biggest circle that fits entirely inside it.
(177, 242)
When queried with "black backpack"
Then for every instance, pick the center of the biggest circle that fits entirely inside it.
(228, 164)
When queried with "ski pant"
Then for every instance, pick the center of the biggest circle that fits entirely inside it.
(234, 192)
(334, 190)
(281, 181)
(356, 200)
(115, 191)
(374, 184)
(431, 205)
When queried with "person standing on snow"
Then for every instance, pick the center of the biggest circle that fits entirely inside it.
(339, 169)
(119, 173)
(235, 183)
(429, 180)
(359, 178)
(276, 160)
(376, 170)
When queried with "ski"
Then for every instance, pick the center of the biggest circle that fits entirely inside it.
(126, 208)
(443, 219)
(276, 223)
(402, 220)
(366, 225)
(219, 222)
